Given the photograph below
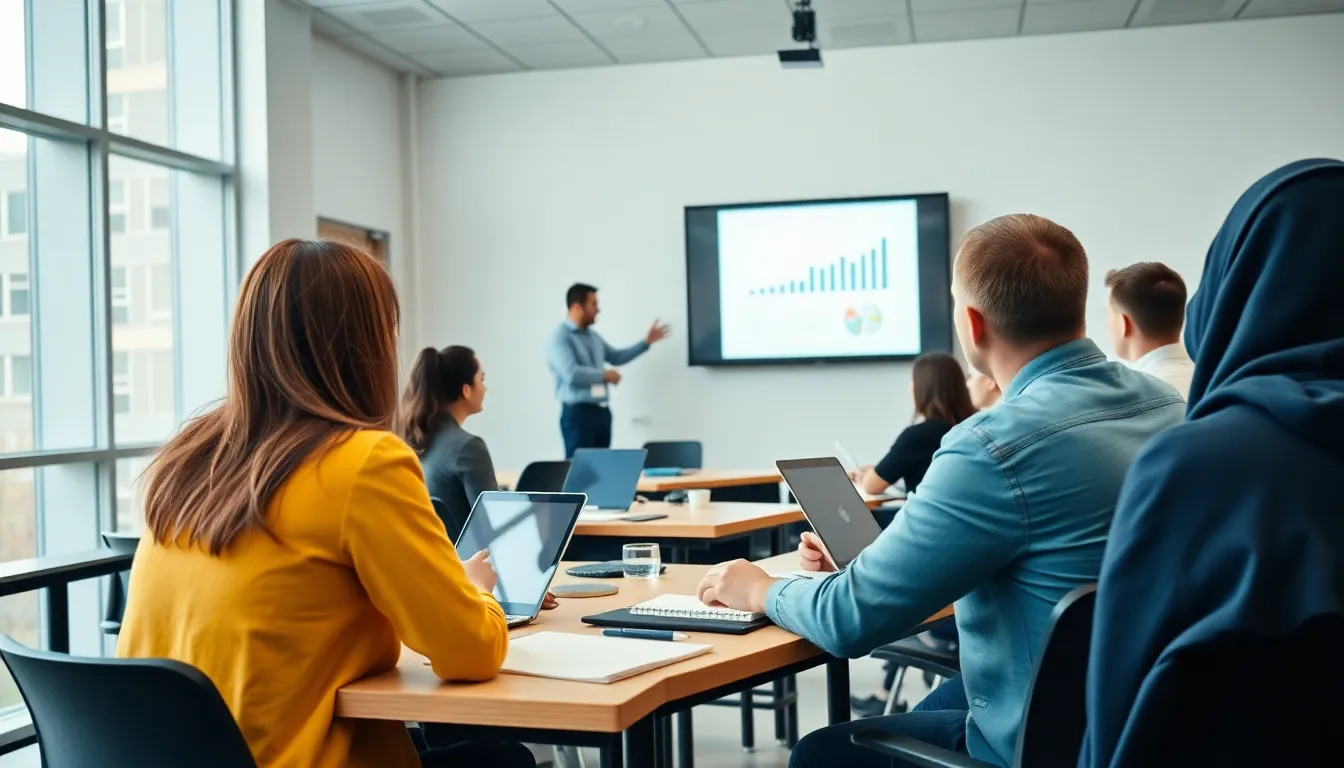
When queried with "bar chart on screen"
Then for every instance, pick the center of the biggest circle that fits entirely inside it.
(826, 280)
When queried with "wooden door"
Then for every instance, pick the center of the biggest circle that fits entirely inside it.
(371, 241)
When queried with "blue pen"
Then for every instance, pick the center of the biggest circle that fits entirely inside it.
(645, 634)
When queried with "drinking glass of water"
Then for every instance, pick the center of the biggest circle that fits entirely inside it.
(641, 561)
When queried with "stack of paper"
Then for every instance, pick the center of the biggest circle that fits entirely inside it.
(592, 658)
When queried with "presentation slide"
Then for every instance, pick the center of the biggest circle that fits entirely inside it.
(822, 280)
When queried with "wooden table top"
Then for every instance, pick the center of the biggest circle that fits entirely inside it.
(412, 692)
(700, 478)
(715, 521)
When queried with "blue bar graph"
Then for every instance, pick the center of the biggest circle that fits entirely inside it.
(867, 272)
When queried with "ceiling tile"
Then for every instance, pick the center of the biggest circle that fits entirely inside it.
(747, 41)
(475, 62)
(337, 3)
(630, 22)
(731, 14)
(380, 54)
(850, 10)
(581, 53)
(1077, 16)
(1260, 8)
(545, 29)
(494, 10)
(584, 6)
(966, 25)
(1153, 12)
(939, 6)
(445, 37)
(889, 30)
(387, 16)
(330, 25)
(632, 50)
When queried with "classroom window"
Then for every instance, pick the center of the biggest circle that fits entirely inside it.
(117, 210)
(21, 375)
(116, 113)
(161, 289)
(121, 382)
(121, 297)
(16, 214)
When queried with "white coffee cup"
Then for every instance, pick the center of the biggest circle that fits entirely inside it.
(697, 498)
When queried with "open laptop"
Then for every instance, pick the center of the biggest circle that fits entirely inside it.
(609, 477)
(526, 534)
(833, 507)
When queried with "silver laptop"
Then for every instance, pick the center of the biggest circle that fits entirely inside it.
(526, 534)
(832, 505)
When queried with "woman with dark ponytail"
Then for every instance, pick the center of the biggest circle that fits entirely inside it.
(446, 387)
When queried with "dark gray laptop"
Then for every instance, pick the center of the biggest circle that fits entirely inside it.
(526, 534)
(832, 506)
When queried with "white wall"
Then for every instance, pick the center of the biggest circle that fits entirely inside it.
(1138, 140)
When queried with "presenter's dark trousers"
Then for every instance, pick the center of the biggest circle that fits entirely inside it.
(585, 425)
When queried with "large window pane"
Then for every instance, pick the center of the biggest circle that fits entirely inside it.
(164, 73)
(130, 494)
(16, 385)
(18, 541)
(144, 397)
(13, 54)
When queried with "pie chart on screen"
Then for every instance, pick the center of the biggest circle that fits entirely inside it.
(864, 321)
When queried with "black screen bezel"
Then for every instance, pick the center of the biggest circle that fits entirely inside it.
(704, 347)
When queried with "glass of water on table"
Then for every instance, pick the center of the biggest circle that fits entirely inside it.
(641, 561)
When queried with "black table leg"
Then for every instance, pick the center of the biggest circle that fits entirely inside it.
(777, 688)
(748, 721)
(837, 691)
(58, 617)
(641, 744)
(791, 723)
(665, 741)
(610, 754)
(685, 740)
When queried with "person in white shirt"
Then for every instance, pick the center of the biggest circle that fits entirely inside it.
(1147, 312)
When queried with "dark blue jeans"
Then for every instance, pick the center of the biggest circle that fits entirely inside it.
(585, 425)
(940, 719)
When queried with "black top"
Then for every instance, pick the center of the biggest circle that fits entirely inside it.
(457, 469)
(911, 454)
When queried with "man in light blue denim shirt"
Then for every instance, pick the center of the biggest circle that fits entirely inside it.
(577, 358)
(1012, 514)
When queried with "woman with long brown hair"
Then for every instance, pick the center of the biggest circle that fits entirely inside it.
(942, 401)
(290, 546)
(445, 388)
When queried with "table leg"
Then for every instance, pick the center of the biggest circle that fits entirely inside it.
(58, 617)
(777, 687)
(685, 740)
(837, 691)
(663, 726)
(791, 723)
(641, 744)
(610, 754)
(748, 720)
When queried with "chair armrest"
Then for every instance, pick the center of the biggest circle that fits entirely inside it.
(915, 752)
(912, 653)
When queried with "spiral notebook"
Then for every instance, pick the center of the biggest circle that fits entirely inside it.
(690, 607)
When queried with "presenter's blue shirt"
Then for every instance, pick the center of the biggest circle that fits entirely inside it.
(576, 358)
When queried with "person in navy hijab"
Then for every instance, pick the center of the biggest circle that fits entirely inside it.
(1219, 630)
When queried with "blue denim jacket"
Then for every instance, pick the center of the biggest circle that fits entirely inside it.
(1013, 513)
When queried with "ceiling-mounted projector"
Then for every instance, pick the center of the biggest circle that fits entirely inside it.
(804, 31)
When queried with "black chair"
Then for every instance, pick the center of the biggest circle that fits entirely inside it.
(119, 582)
(1055, 715)
(543, 477)
(124, 713)
(684, 454)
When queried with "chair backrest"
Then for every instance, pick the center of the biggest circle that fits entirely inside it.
(1054, 719)
(124, 713)
(120, 582)
(543, 477)
(686, 454)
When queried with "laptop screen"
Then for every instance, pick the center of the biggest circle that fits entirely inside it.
(526, 534)
(609, 476)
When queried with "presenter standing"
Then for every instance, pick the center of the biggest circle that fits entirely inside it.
(577, 357)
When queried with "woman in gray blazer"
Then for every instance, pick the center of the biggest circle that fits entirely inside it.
(446, 387)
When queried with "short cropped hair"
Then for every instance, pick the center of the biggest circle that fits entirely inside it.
(1152, 294)
(1028, 275)
(578, 294)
